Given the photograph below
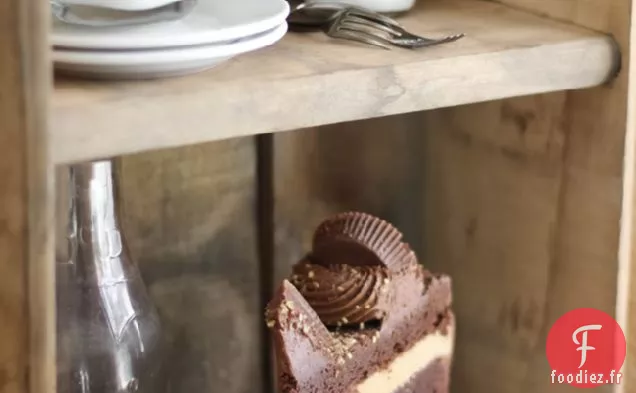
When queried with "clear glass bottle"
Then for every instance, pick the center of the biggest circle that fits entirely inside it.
(108, 331)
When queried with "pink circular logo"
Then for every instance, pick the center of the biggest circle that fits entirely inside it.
(586, 348)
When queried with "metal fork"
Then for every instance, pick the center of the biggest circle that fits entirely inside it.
(116, 18)
(362, 25)
(379, 30)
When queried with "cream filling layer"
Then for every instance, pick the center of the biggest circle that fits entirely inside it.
(402, 368)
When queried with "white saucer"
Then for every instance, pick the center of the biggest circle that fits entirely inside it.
(158, 63)
(132, 5)
(211, 21)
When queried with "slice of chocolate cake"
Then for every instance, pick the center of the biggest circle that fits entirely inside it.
(361, 315)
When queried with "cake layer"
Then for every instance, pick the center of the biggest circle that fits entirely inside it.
(435, 378)
(406, 368)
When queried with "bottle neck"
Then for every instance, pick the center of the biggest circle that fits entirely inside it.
(93, 222)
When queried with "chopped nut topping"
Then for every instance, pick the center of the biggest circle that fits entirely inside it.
(340, 361)
(270, 324)
(349, 355)
(310, 274)
(361, 325)
(345, 320)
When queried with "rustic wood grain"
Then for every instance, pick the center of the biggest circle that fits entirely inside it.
(626, 296)
(190, 219)
(586, 268)
(27, 353)
(309, 80)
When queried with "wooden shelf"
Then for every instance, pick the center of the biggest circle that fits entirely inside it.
(309, 79)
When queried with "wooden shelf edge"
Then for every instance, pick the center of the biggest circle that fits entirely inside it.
(308, 80)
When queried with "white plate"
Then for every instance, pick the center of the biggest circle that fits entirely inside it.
(131, 5)
(158, 63)
(210, 21)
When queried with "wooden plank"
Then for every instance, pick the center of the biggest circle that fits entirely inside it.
(27, 341)
(593, 14)
(626, 297)
(505, 54)
(593, 177)
(190, 219)
(581, 269)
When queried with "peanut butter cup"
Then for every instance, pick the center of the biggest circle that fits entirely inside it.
(355, 238)
(359, 314)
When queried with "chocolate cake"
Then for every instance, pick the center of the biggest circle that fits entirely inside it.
(359, 314)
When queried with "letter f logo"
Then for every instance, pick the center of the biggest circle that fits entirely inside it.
(583, 344)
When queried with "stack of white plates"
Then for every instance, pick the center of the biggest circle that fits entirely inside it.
(214, 31)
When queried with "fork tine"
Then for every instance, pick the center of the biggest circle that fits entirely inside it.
(373, 16)
(423, 44)
(390, 26)
(354, 35)
(342, 27)
(374, 25)
(411, 44)
(356, 25)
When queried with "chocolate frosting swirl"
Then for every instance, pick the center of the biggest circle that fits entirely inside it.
(342, 294)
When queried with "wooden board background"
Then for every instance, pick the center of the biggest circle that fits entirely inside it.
(191, 221)
(626, 299)
(27, 309)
